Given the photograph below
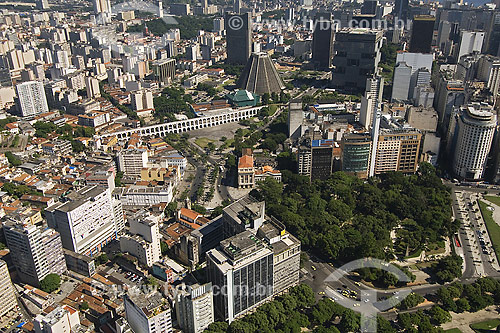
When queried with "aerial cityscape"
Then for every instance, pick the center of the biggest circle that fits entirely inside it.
(249, 166)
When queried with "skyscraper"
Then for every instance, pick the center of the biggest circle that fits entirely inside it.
(373, 95)
(241, 262)
(32, 99)
(8, 300)
(409, 72)
(37, 252)
(101, 6)
(85, 221)
(470, 41)
(422, 32)
(322, 46)
(356, 59)
(42, 4)
(238, 38)
(195, 307)
(473, 130)
(356, 149)
(92, 85)
(401, 10)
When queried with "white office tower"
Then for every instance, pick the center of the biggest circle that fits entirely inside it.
(160, 9)
(92, 85)
(32, 99)
(489, 72)
(242, 261)
(470, 41)
(37, 252)
(62, 319)
(473, 127)
(195, 307)
(8, 301)
(401, 82)
(375, 133)
(142, 100)
(148, 313)
(404, 85)
(85, 220)
(143, 242)
(373, 95)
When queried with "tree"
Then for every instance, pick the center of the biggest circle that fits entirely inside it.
(171, 209)
(411, 301)
(164, 248)
(84, 306)
(439, 316)
(118, 179)
(77, 146)
(151, 281)
(50, 283)
(448, 268)
(349, 322)
(462, 305)
(265, 99)
(217, 327)
(13, 159)
(102, 259)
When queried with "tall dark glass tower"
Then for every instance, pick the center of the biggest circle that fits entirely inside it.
(422, 31)
(322, 46)
(238, 38)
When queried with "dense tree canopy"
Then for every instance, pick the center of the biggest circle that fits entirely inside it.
(347, 218)
(50, 283)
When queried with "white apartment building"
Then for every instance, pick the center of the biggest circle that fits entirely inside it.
(86, 221)
(8, 301)
(144, 239)
(131, 161)
(32, 99)
(195, 307)
(137, 195)
(60, 320)
(148, 313)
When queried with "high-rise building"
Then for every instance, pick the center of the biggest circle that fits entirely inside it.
(444, 31)
(373, 95)
(8, 301)
(449, 94)
(412, 70)
(260, 75)
(42, 4)
(32, 99)
(195, 307)
(489, 71)
(252, 265)
(242, 262)
(471, 134)
(218, 24)
(238, 38)
(164, 70)
(322, 45)
(316, 158)
(401, 81)
(85, 221)
(93, 89)
(422, 32)
(397, 150)
(356, 59)
(148, 313)
(37, 252)
(401, 10)
(470, 42)
(295, 119)
(101, 6)
(356, 150)
(143, 242)
(131, 161)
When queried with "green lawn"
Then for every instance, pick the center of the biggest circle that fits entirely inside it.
(453, 330)
(203, 142)
(493, 228)
(485, 326)
(494, 199)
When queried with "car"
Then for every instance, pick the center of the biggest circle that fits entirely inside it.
(313, 268)
(321, 293)
(357, 283)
